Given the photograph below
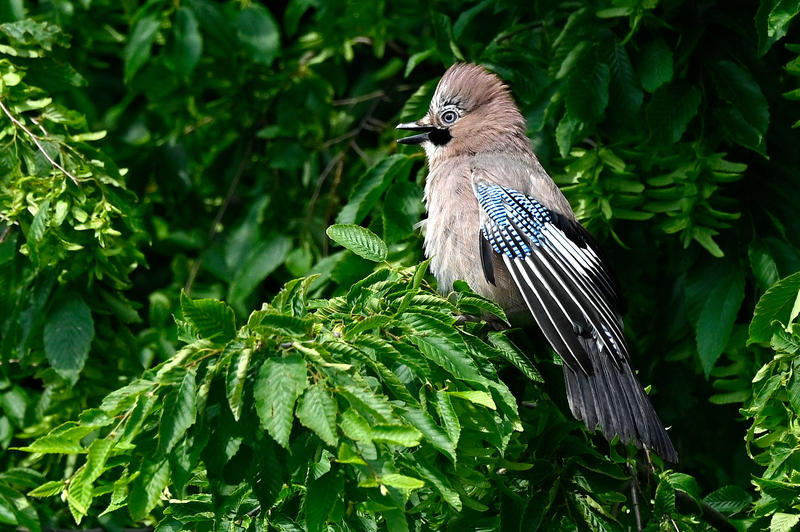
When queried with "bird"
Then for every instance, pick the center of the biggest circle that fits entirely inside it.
(496, 220)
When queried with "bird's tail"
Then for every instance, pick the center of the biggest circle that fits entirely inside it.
(613, 399)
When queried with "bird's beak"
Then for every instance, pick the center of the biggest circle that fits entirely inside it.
(415, 126)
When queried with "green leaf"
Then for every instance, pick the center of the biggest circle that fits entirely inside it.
(772, 21)
(782, 522)
(213, 319)
(433, 434)
(664, 499)
(319, 501)
(317, 411)
(402, 482)
(280, 382)
(655, 65)
(179, 413)
(775, 304)
(81, 489)
(48, 489)
(625, 95)
(260, 262)
(68, 334)
(448, 416)
(140, 41)
(439, 481)
(762, 264)
(747, 119)
(513, 355)
(396, 435)
(718, 315)
(359, 240)
(729, 499)
(370, 187)
(355, 427)
(587, 91)
(188, 42)
(235, 379)
(476, 397)
(567, 132)
(439, 343)
(685, 483)
(258, 34)
(670, 110)
(147, 487)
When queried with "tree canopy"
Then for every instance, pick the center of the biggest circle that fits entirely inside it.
(215, 310)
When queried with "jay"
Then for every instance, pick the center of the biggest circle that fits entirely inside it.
(498, 221)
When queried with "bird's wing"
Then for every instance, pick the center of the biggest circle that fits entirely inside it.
(559, 271)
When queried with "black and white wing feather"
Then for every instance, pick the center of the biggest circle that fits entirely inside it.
(574, 300)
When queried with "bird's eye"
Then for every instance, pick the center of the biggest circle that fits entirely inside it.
(448, 117)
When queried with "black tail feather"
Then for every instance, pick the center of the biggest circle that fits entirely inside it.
(613, 400)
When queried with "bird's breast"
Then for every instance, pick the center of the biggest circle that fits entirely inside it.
(452, 238)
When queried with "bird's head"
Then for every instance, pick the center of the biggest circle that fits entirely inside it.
(471, 111)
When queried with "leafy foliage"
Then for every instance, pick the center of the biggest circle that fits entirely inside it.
(248, 133)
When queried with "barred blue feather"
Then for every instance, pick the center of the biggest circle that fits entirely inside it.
(511, 211)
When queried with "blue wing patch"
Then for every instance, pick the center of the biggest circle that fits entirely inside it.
(515, 220)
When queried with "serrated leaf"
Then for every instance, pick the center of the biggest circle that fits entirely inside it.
(775, 304)
(402, 482)
(259, 263)
(355, 426)
(258, 33)
(729, 499)
(448, 416)
(782, 522)
(178, 414)
(747, 120)
(81, 489)
(369, 189)
(513, 355)
(655, 65)
(283, 323)
(476, 397)
(188, 41)
(147, 487)
(280, 382)
(64, 439)
(213, 319)
(48, 489)
(587, 91)
(772, 21)
(235, 379)
(437, 479)
(396, 435)
(664, 499)
(68, 334)
(670, 110)
(718, 314)
(433, 434)
(316, 410)
(319, 501)
(137, 49)
(359, 240)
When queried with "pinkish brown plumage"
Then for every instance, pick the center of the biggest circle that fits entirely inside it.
(497, 221)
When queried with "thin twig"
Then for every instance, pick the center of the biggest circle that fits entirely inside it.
(526, 27)
(36, 141)
(358, 99)
(635, 498)
(243, 163)
(5, 233)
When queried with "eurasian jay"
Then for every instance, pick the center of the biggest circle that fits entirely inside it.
(498, 221)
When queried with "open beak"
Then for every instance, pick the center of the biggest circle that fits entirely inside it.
(418, 138)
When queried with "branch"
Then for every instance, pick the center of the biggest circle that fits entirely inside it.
(38, 144)
(243, 164)
(712, 516)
